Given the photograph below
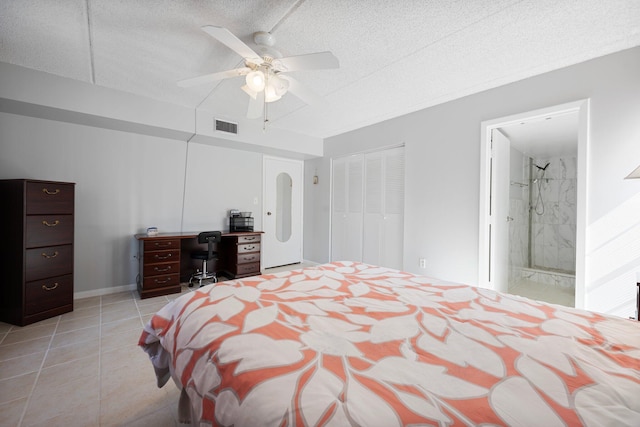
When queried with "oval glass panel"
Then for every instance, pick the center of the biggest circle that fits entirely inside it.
(283, 206)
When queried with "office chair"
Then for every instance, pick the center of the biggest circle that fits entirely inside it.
(210, 238)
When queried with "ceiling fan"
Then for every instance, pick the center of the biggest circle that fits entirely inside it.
(265, 71)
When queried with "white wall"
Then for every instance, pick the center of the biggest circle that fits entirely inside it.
(219, 179)
(317, 210)
(442, 146)
(126, 182)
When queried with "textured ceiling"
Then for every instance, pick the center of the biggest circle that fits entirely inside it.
(395, 56)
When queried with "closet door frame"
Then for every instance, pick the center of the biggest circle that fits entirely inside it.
(332, 219)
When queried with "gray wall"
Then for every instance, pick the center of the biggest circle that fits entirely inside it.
(126, 182)
(442, 146)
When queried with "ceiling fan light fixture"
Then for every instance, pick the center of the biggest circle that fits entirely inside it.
(270, 93)
(279, 84)
(255, 80)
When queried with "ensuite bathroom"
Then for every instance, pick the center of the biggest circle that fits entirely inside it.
(542, 217)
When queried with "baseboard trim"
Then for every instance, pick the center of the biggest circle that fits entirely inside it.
(104, 291)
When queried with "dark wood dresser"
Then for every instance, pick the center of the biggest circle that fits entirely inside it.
(240, 253)
(159, 266)
(37, 254)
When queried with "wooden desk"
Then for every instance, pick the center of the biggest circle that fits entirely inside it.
(165, 261)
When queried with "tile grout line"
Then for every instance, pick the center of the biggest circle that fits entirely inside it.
(35, 382)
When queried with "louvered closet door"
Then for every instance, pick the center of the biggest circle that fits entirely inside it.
(383, 220)
(346, 217)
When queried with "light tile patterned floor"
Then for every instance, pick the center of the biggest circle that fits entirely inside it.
(544, 292)
(85, 368)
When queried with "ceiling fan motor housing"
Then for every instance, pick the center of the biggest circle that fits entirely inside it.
(265, 42)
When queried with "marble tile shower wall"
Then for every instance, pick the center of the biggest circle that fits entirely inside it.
(519, 214)
(553, 218)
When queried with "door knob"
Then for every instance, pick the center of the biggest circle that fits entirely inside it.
(268, 213)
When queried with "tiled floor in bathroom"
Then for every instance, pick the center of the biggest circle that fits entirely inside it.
(543, 292)
(85, 368)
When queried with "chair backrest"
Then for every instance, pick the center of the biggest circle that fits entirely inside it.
(210, 238)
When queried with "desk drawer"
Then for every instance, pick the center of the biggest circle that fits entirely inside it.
(161, 244)
(50, 261)
(47, 230)
(49, 198)
(161, 281)
(248, 247)
(43, 295)
(160, 269)
(255, 238)
(247, 269)
(247, 258)
(155, 257)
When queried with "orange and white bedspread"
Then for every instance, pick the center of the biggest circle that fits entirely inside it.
(352, 344)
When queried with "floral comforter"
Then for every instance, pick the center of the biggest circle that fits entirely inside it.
(352, 344)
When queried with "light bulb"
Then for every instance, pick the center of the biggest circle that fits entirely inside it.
(255, 80)
(279, 84)
(270, 94)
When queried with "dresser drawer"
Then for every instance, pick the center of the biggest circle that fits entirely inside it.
(248, 247)
(255, 238)
(160, 269)
(161, 281)
(49, 198)
(247, 269)
(49, 261)
(43, 295)
(247, 258)
(47, 230)
(154, 257)
(161, 244)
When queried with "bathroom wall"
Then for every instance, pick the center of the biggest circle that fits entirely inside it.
(554, 215)
(519, 214)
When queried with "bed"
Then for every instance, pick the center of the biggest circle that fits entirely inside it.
(348, 343)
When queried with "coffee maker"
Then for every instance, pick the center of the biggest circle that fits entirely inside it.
(240, 221)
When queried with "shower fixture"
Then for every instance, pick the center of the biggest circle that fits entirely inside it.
(538, 208)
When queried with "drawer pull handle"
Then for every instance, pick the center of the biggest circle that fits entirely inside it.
(162, 270)
(49, 224)
(55, 254)
(160, 282)
(250, 238)
(167, 256)
(248, 248)
(51, 193)
(249, 258)
(46, 288)
(163, 244)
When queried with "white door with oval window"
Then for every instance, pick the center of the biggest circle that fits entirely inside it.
(282, 216)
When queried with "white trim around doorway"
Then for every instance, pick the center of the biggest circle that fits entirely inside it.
(582, 108)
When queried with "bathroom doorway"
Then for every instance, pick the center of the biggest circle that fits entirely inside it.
(542, 207)
(533, 204)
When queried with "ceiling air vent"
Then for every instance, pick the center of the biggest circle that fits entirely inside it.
(228, 127)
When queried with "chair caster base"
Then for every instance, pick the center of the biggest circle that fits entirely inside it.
(201, 279)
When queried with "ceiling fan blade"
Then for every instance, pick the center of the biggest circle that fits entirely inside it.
(208, 78)
(311, 61)
(304, 93)
(232, 42)
(255, 106)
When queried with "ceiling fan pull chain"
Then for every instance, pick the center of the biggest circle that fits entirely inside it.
(264, 102)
